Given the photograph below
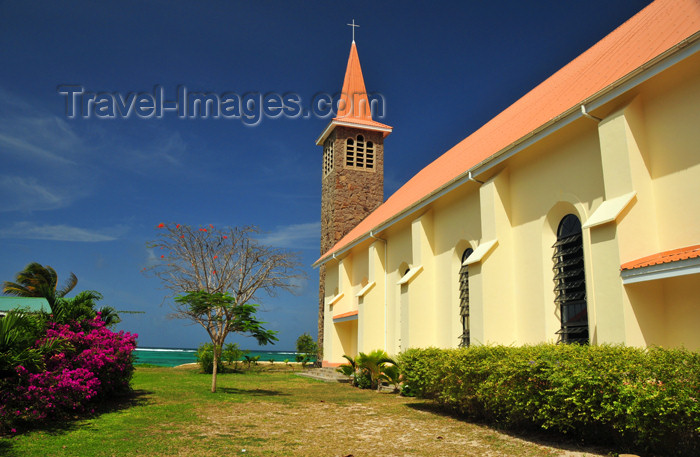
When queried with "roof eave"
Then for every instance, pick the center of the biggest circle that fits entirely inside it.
(334, 122)
(670, 57)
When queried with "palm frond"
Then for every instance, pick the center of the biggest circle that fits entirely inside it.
(69, 285)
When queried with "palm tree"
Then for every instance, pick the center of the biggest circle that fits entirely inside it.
(37, 280)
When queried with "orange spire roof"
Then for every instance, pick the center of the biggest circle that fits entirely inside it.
(354, 108)
(354, 103)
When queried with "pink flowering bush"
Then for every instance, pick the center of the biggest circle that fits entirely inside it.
(90, 363)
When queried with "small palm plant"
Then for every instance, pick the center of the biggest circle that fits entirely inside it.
(374, 363)
(392, 375)
(349, 369)
(369, 370)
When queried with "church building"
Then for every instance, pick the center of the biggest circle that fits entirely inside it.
(573, 216)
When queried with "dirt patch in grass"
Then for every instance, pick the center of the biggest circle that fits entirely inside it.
(382, 424)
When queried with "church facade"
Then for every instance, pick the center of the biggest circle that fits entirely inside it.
(572, 216)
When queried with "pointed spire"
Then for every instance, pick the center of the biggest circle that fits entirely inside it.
(354, 103)
(354, 109)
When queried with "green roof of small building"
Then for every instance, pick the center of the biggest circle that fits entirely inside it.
(31, 304)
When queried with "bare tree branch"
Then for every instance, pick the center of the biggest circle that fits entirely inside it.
(230, 261)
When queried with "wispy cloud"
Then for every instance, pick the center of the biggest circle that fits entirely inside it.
(28, 194)
(294, 236)
(163, 148)
(31, 231)
(21, 147)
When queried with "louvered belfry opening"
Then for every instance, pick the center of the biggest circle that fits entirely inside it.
(570, 281)
(464, 299)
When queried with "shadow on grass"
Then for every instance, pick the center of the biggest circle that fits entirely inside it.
(252, 392)
(117, 403)
(537, 436)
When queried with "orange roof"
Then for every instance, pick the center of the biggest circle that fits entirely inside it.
(348, 314)
(652, 31)
(354, 103)
(353, 106)
(674, 255)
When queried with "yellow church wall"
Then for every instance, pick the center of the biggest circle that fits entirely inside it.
(672, 120)
(666, 312)
(371, 305)
(398, 255)
(682, 295)
(647, 312)
(543, 191)
(346, 340)
(419, 311)
(360, 273)
(457, 227)
(493, 317)
(345, 286)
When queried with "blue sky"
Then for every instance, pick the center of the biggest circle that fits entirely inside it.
(85, 194)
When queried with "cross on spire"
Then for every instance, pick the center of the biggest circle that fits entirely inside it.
(353, 25)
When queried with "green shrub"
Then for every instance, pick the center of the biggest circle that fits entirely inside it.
(643, 400)
(205, 358)
(231, 354)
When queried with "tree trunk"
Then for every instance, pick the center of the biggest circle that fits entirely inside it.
(214, 368)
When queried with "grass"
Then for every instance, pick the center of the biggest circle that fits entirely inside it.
(265, 413)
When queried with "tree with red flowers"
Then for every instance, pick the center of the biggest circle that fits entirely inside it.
(217, 273)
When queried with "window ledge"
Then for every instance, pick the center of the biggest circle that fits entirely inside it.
(413, 272)
(480, 252)
(365, 289)
(609, 210)
(333, 300)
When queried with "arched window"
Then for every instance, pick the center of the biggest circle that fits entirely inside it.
(328, 158)
(358, 153)
(464, 299)
(349, 152)
(570, 281)
(369, 155)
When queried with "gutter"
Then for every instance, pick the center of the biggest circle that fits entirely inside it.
(667, 59)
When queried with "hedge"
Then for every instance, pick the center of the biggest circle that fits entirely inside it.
(636, 399)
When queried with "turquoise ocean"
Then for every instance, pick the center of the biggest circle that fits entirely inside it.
(172, 357)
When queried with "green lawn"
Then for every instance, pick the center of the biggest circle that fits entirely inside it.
(264, 413)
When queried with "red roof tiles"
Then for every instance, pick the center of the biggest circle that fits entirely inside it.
(674, 255)
(652, 31)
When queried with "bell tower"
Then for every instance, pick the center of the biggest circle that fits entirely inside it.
(352, 176)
